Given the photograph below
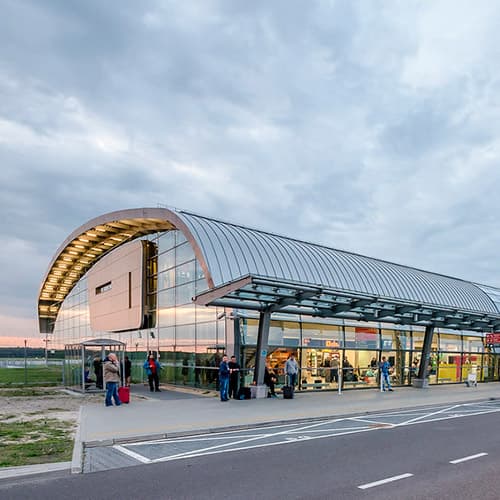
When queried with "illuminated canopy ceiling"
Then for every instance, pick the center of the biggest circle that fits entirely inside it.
(84, 247)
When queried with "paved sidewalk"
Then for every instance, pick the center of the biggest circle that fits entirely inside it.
(169, 413)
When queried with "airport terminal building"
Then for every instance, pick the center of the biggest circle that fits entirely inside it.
(189, 288)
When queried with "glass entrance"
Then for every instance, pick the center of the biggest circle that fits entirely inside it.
(319, 369)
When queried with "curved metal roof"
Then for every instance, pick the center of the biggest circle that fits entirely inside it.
(233, 251)
(228, 252)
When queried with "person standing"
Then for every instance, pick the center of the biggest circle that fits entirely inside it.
(291, 370)
(127, 370)
(234, 373)
(385, 369)
(270, 380)
(335, 368)
(98, 372)
(153, 368)
(224, 379)
(111, 369)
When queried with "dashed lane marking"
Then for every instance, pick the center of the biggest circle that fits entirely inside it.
(465, 459)
(384, 481)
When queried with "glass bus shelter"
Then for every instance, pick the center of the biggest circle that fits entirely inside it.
(83, 363)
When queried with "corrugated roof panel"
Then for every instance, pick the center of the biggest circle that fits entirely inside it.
(232, 251)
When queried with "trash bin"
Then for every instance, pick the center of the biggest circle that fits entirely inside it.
(258, 391)
(471, 380)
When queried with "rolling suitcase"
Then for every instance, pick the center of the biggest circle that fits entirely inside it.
(287, 390)
(124, 394)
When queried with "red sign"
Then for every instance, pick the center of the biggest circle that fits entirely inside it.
(363, 333)
(493, 338)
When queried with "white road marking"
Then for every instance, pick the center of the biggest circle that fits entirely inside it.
(465, 459)
(132, 454)
(244, 440)
(384, 481)
(427, 415)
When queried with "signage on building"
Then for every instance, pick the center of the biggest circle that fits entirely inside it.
(493, 338)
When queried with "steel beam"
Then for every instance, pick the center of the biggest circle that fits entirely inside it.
(262, 347)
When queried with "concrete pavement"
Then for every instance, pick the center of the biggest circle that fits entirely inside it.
(169, 414)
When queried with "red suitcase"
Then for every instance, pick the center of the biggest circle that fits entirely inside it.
(124, 394)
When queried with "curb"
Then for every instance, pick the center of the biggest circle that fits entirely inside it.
(214, 430)
(77, 458)
(25, 470)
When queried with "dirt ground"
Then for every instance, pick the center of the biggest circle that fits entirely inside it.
(52, 403)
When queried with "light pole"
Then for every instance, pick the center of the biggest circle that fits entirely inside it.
(46, 340)
(25, 364)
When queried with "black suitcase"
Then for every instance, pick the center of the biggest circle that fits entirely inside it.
(244, 393)
(287, 392)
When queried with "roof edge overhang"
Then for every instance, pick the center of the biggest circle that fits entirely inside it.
(258, 293)
(91, 241)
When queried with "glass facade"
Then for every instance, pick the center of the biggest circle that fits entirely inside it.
(189, 340)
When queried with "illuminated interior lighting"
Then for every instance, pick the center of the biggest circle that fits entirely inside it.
(83, 261)
(68, 259)
(100, 229)
(72, 252)
(57, 273)
(108, 244)
(85, 240)
(62, 265)
(115, 238)
(92, 235)
(89, 255)
(80, 246)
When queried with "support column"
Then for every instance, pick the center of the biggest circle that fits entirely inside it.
(261, 354)
(421, 381)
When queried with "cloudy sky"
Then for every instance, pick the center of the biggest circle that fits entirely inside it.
(367, 126)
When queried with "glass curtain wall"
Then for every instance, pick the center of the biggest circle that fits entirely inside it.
(191, 339)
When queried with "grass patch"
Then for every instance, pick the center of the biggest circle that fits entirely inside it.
(35, 442)
(35, 376)
(28, 392)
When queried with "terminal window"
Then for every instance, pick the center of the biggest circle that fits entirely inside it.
(103, 288)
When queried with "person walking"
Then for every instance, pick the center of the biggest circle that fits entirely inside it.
(153, 368)
(291, 370)
(224, 379)
(111, 375)
(385, 369)
(234, 373)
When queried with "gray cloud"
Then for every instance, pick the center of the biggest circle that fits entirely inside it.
(368, 127)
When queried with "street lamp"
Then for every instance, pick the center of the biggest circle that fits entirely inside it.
(25, 364)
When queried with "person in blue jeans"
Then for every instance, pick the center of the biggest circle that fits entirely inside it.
(291, 370)
(111, 371)
(224, 379)
(385, 369)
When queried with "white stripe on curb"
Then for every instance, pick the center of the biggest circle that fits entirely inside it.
(384, 481)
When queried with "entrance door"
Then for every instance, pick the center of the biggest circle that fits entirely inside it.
(320, 369)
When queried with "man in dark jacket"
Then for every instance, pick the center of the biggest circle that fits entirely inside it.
(234, 369)
(224, 379)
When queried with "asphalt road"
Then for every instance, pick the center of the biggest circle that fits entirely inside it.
(408, 462)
